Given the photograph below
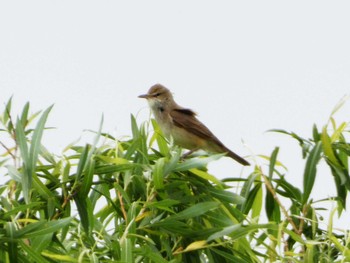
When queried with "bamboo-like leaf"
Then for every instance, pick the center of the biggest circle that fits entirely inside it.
(36, 139)
(7, 112)
(273, 159)
(195, 210)
(113, 160)
(206, 176)
(224, 232)
(23, 208)
(26, 178)
(12, 244)
(84, 211)
(152, 256)
(310, 170)
(110, 169)
(41, 242)
(87, 179)
(338, 132)
(226, 196)
(42, 228)
(158, 174)
(340, 104)
(82, 162)
(257, 204)
(272, 208)
(22, 141)
(200, 244)
(59, 258)
(291, 191)
(315, 133)
(88, 166)
(33, 255)
(294, 236)
(341, 191)
(159, 137)
(13, 173)
(164, 204)
(253, 198)
(126, 251)
(327, 147)
(134, 127)
(24, 116)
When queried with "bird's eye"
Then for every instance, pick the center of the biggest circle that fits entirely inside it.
(157, 94)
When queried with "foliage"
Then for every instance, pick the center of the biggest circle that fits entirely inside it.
(138, 200)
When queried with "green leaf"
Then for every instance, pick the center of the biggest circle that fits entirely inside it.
(23, 208)
(164, 204)
(82, 162)
(7, 112)
(273, 159)
(24, 116)
(126, 251)
(206, 176)
(12, 244)
(43, 190)
(338, 132)
(85, 213)
(153, 256)
(159, 136)
(195, 210)
(340, 104)
(32, 254)
(327, 147)
(134, 128)
(224, 232)
(310, 170)
(36, 139)
(13, 173)
(291, 191)
(272, 208)
(27, 168)
(253, 198)
(315, 133)
(88, 165)
(226, 196)
(158, 174)
(87, 179)
(42, 228)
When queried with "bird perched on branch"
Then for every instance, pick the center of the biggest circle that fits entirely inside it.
(182, 125)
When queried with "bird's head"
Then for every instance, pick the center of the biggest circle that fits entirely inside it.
(158, 94)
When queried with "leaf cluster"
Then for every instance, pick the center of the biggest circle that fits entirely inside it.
(139, 200)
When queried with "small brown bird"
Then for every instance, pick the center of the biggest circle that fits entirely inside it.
(182, 124)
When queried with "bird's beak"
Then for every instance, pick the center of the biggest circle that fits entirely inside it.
(144, 96)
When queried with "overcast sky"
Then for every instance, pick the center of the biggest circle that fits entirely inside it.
(244, 66)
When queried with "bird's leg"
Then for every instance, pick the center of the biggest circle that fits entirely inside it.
(189, 152)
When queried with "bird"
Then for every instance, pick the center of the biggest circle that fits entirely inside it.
(182, 124)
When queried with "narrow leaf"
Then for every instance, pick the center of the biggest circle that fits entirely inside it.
(36, 139)
(195, 210)
(310, 170)
(273, 162)
(327, 147)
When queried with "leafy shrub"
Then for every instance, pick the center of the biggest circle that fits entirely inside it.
(138, 200)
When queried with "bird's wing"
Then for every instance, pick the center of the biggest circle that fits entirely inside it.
(186, 119)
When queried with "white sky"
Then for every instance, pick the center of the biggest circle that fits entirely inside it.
(244, 66)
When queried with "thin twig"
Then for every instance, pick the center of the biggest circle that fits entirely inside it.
(8, 150)
(122, 206)
(284, 210)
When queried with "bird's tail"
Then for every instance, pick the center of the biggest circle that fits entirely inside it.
(236, 157)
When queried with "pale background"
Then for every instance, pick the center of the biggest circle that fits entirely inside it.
(244, 66)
